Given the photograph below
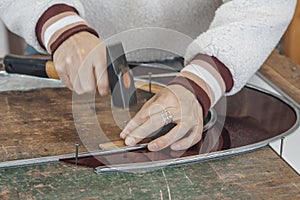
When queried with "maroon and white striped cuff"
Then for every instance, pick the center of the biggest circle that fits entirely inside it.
(207, 78)
(57, 24)
(200, 94)
(220, 67)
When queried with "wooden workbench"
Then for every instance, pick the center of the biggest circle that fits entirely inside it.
(258, 175)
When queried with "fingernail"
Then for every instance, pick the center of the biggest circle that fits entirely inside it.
(103, 92)
(153, 147)
(123, 134)
(130, 141)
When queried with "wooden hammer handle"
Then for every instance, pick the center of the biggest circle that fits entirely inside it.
(34, 66)
(51, 71)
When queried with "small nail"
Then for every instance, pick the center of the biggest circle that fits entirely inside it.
(130, 141)
(153, 147)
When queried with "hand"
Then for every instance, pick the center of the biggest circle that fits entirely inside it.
(187, 114)
(80, 61)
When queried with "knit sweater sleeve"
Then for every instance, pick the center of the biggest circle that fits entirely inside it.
(21, 17)
(242, 35)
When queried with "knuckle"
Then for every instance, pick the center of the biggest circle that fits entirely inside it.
(143, 115)
(132, 124)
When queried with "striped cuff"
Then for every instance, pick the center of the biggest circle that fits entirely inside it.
(57, 24)
(207, 78)
(200, 94)
(219, 67)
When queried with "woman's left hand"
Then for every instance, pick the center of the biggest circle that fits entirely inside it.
(173, 104)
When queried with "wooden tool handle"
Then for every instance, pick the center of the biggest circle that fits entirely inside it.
(32, 66)
(51, 71)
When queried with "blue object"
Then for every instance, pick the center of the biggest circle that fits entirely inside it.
(30, 51)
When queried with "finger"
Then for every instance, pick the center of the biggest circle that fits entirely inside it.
(102, 81)
(72, 69)
(134, 123)
(63, 75)
(153, 124)
(75, 80)
(86, 77)
(66, 80)
(100, 66)
(175, 134)
(138, 119)
(60, 67)
(187, 142)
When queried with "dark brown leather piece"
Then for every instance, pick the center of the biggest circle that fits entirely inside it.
(252, 116)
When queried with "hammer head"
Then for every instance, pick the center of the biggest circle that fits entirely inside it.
(120, 77)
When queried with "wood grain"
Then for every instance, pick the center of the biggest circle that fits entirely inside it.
(291, 45)
(28, 130)
(257, 175)
(41, 123)
(284, 73)
(51, 71)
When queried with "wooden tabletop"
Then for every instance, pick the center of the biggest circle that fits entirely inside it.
(258, 175)
(284, 73)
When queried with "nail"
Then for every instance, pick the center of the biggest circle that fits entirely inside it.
(124, 133)
(103, 92)
(153, 147)
(130, 141)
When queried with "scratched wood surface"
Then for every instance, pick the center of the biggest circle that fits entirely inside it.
(258, 175)
(40, 122)
(284, 73)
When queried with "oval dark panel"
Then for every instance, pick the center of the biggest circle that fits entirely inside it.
(252, 118)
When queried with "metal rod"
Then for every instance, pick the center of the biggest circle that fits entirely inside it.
(54, 159)
(32, 161)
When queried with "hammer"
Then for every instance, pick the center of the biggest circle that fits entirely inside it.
(120, 76)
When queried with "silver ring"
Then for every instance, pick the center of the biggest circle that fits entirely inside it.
(167, 117)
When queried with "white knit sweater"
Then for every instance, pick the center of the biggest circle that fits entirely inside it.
(241, 33)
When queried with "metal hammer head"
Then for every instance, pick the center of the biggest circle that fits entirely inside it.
(120, 77)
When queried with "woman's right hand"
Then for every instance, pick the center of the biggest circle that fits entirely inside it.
(80, 61)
